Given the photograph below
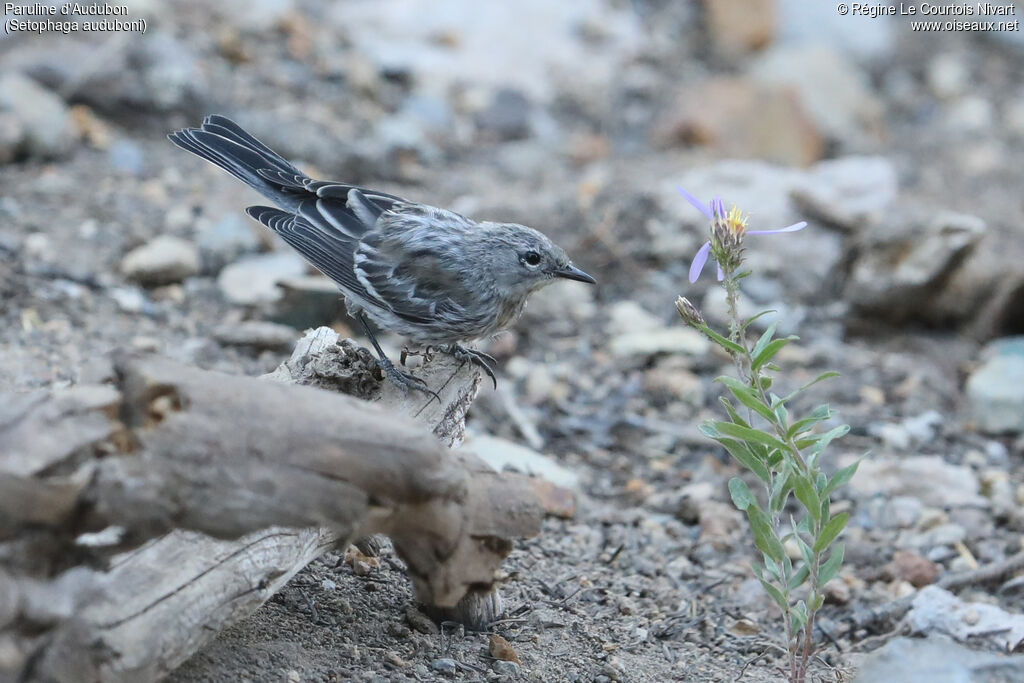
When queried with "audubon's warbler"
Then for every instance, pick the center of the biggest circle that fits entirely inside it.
(428, 274)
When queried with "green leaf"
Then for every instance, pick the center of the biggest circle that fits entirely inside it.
(830, 531)
(743, 454)
(731, 409)
(823, 440)
(775, 594)
(798, 615)
(764, 339)
(817, 600)
(750, 434)
(752, 318)
(764, 535)
(769, 351)
(830, 569)
(730, 346)
(805, 550)
(799, 578)
(765, 382)
(781, 413)
(780, 491)
(841, 477)
(805, 493)
(823, 376)
(742, 498)
(745, 395)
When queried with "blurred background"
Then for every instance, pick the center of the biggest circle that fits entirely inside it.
(901, 148)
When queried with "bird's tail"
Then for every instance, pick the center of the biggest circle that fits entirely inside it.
(223, 142)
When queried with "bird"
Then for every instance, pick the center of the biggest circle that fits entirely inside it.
(428, 274)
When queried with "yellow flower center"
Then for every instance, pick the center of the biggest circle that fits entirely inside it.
(736, 221)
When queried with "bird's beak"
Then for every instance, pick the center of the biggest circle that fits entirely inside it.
(571, 272)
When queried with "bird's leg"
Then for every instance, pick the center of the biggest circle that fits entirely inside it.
(484, 360)
(401, 379)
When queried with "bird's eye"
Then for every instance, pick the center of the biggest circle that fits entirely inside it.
(531, 258)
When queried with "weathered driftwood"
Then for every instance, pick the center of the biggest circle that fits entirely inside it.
(285, 472)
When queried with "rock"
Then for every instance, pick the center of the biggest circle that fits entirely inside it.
(40, 117)
(803, 22)
(737, 117)
(898, 512)
(163, 261)
(672, 340)
(445, 665)
(556, 500)
(738, 26)
(948, 75)
(225, 240)
(309, 301)
(835, 93)
(937, 611)
(502, 454)
(916, 570)
(928, 478)
(937, 659)
(995, 390)
(256, 16)
(500, 648)
(505, 668)
(625, 317)
(912, 431)
(11, 135)
(848, 192)
(507, 117)
(126, 157)
(463, 43)
(902, 261)
(257, 334)
(253, 280)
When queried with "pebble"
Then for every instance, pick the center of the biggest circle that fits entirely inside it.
(995, 390)
(505, 668)
(253, 280)
(937, 659)
(225, 240)
(165, 260)
(928, 478)
(507, 117)
(44, 122)
(911, 567)
(256, 334)
(445, 665)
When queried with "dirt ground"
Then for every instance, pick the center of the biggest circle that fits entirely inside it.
(650, 579)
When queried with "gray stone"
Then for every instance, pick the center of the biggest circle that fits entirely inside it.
(912, 431)
(817, 22)
(937, 659)
(224, 241)
(505, 668)
(445, 665)
(127, 157)
(308, 301)
(848, 192)
(835, 92)
(253, 280)
(163, 261)
(995, 390)
(928, 478)
(257, 334)
(47, 130)
(507, 117)
(502, 454)
(902, 260)
(937, 611)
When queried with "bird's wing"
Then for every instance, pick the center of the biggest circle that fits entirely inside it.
(407, 263)
(326, 233)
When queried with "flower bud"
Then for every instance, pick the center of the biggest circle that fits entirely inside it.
(689, 312)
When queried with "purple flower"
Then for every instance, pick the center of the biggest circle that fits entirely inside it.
(727, 228)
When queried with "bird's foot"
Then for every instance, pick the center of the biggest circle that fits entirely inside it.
(484, 360)
(404, 380)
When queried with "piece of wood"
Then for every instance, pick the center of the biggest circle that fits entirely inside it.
(278, 474)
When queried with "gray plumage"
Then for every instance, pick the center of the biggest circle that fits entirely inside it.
(428, 274)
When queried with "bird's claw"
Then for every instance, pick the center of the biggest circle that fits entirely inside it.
(485, 360)
(404, 380)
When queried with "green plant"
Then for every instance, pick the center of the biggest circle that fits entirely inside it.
(783, 451)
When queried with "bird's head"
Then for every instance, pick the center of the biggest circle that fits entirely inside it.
(523, 260)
